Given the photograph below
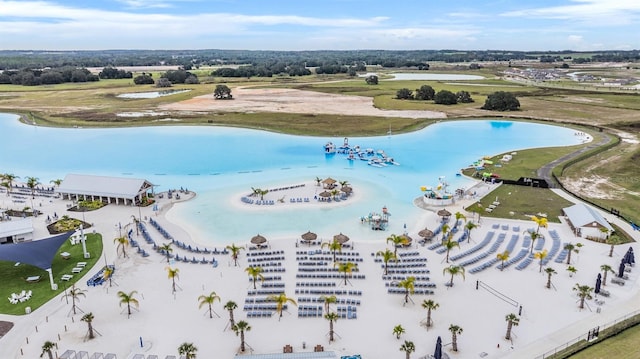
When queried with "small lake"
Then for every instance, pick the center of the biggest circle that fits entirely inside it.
(151, 94)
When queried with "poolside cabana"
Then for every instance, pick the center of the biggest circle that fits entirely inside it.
(586, 222)
(111, 190)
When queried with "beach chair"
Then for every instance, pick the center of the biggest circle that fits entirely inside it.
(96, 355)
(68, 354)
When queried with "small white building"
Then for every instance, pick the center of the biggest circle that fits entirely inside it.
(116, 190)
(16, 230)
(585, 221)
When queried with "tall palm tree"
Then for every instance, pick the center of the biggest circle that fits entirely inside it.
(173, 274)
(188, 350)
(332, 317)
(449, 244)
(613, 240)
(166, 247)
(328, 299)
(584, 292)
(122, 243)
(47, 347)
(429, 305)
(334, 246)
(398, 330)
(235, 251)
(503, 257)
(453, 270)
(534, 236)
(512, 321)
(409, 286)
(346, 268)
(56, 182)
(605, 269)
(255, 273)
(8, 178)
(445, 229)
(408, 347)
(397, 241)
(88, 318)
(455, 331)
(570, 247)
(281, 300)
(208, 300)
(240, 328)
(128, 299)
(75, 294)
(459, 216)
(541, 256)
(469, 227)
(343, 183)
(550, 271)
(387, 256)
(32, 183)
(230, 306)
(107, 273)
(541, 222)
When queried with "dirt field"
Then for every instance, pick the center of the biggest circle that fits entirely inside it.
(293, 101)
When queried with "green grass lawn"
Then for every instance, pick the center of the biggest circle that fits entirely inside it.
(13, 277)
(623, 345)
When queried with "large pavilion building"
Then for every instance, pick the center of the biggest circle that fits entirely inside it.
(111, 190)
(586, 222)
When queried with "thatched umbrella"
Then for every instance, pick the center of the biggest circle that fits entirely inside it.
(426, 233)
(309, 236)
(258, 240)
(325, 194)
(444, 214)
(329, 182)
(408, 240)
(346, 189)
(341, 238)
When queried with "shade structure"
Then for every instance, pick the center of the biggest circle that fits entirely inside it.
(258, 239)
(444, 213)
(426, 233)
(598, 283)
(621, 269)
(325, 194)
(437, 354)
(346, 189)
(341, 238)
(38, 253)
(309, 236)
(329, 181)
(407, 240)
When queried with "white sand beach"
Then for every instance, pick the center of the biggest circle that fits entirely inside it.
(549, 317)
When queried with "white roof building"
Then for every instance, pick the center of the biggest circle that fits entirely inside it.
(586, 221)
(118, 190)
(16, 230)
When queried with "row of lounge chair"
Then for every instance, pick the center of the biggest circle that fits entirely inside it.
(408, 271)
(403, 277)
(263, 254)
(265, 259)
(403, 291)
(328, 292)
(315, 284)
(72, 354)
(416, 285)
(298, 200)
(99, 278)
(332, 275)
(348, 301)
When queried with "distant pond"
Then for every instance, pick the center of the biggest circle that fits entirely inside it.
(152, 94)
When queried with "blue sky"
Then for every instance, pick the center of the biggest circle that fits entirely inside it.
(528, 25)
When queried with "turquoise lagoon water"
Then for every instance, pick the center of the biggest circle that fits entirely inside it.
(222, 164)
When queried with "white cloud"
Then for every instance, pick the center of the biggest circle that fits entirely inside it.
(574, 38)
(598, 12)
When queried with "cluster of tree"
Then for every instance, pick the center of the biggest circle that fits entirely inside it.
(222, 92)
(144, 79)
(263, 70)
(113, 73)
(427, 93)
(180, 77)
(501, 101)
(29, 77)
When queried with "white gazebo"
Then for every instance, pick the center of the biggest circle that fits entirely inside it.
(112, 190)
(585, 221)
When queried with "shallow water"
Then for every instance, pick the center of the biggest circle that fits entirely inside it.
(152, 94)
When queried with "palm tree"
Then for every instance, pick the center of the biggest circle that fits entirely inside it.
(449, 244)
(172, 273)
(613, 240)
(188, 350)
(318, 181)
(343, 183)
(56, 182)
(281, 300)
(208, 300)
(230, 306)
(75, 294)
(128, 299)
(512, 321)
(408, 347)
(397, 241)
(454, 270)
(534, 236)
(334, 246)
(8, 178)
(107, 273)
(429, 305)
(502, 257)
(445, 231)
(346, 268)
(409, 287)
(455, 331)
(584, 292)
(572, 270)
(398, 330)
(122, 243)
(570, 247)
(332, 317)
(328, 299)
(387, 256)
(167, 250)
(541, 222)
(469, 227)
(459, 216)
(32, 183)
(88, 318)
(605, 269)
(604, 231)
(240, 328)
(47, 347)
(550, 271)
(235, 251)
(255, 273)
(541, 256)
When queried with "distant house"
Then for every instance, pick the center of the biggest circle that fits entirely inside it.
(585, 221)
(16, 230)
(112, 190)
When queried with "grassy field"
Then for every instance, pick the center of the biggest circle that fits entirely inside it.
(623, 345)
(13, 277)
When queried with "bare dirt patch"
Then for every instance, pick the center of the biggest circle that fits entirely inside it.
(293, 101)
